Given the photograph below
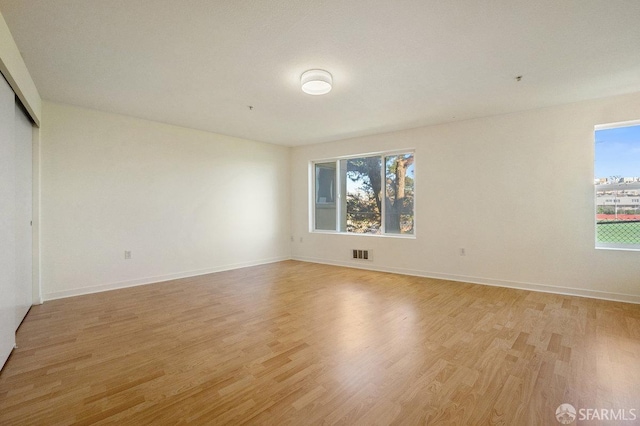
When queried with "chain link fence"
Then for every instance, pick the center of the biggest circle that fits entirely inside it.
(618, 218)
(620, 231)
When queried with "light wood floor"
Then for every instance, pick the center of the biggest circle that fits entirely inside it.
(300, 343)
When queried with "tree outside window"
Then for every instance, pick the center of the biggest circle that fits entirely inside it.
(378, 195)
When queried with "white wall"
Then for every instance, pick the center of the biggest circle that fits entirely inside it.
(516, 191)
(184, 202)
(15, 71)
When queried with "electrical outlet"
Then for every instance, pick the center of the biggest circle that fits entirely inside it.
(463, 252)
(127, 254)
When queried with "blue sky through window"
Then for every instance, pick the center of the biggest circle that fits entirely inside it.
(617, 152)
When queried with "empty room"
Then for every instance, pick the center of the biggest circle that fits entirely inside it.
(319, 212)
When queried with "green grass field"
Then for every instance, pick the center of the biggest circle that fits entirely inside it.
(624, 233)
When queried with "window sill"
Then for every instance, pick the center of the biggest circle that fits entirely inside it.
(400, 236)
(631, 247)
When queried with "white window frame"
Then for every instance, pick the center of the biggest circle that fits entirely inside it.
(609, 246)
(339, 194)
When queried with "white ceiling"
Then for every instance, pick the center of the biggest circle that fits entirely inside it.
(396, 64)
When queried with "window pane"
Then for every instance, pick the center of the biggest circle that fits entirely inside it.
(617, 180)
(325, 197)
(399, 174)
(362, 212)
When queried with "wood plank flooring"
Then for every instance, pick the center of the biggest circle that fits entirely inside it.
(301, 343)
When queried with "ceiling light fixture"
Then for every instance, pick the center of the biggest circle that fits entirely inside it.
(316, 82)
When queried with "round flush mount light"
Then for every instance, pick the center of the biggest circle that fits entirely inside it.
(316, 82)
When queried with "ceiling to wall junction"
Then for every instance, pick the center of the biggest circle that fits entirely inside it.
(395, 65)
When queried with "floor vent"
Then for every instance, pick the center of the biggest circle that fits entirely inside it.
(361, 254)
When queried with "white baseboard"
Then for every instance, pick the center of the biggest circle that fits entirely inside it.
(156, 279)
(543, 288)
(568, 291)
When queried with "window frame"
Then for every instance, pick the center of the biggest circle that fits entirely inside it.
(339, 194)
(603, 245)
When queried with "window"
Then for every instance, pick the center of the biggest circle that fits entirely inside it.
(363, 211)
(369, 194)
(325, 200)
(617, 186)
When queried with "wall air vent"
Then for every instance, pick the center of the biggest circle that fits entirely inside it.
(359, 254)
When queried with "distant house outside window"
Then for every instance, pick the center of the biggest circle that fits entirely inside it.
(617, 186)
